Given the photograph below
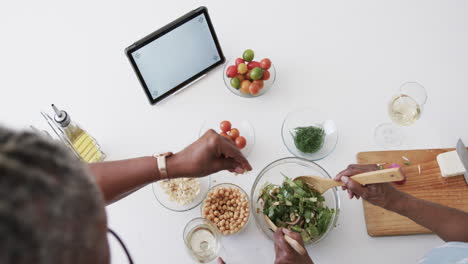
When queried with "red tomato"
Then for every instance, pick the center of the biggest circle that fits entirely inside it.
(253, 64)
(254, 89)
(241, 77)
(241, 142)
(247, 76)
(245, 86)
(225, 126)
(231, 71)
(266, 75)
(265, 64)
(239, 61)
(225, 135)
(234, 133)
(259, 82)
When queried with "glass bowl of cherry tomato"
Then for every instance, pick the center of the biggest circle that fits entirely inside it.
(240, 132)
(247, 77)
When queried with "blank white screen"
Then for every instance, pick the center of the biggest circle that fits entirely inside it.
(176, 56)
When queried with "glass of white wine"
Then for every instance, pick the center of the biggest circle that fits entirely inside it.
(404, 109)
(202, 240)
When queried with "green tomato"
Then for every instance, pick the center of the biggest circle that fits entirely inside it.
(256, 73)
(235, 83)
(248, 55)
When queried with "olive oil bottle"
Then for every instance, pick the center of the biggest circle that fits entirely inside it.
(83, 143)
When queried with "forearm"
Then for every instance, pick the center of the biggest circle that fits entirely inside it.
(117, 179)
(448, 223)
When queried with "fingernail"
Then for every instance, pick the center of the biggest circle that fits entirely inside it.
(345, 179)
(239, 170)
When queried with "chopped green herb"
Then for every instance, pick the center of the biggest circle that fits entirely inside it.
(407, 163)
(295, 206)
(309, 139)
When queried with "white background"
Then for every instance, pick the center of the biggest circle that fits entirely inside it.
(344, 57)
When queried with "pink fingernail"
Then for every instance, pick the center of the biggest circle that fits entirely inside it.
(239, 170)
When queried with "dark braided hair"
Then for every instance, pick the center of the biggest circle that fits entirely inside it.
(49, 205)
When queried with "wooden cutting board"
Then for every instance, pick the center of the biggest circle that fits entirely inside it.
(427, 184)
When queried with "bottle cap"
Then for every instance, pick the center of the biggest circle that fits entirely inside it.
(61, 117)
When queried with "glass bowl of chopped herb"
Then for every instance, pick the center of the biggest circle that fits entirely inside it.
(309, 134)
(290, 203)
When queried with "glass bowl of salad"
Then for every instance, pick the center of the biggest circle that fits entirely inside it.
(291, 204)
(309, 134)
(238, 88)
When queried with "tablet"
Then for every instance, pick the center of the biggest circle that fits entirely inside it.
(172, 57)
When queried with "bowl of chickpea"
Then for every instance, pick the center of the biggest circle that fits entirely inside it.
(227, 207)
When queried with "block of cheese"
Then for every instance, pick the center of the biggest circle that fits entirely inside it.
(450, 164)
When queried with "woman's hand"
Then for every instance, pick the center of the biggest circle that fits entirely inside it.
(285, 254)
(382, 194)
(209, 154)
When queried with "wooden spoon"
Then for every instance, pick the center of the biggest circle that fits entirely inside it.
(293, 243)
(321, 184)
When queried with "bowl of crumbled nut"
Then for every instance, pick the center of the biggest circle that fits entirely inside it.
(181, 194)
(227, 207)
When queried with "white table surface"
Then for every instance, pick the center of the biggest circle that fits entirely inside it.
(345, 57)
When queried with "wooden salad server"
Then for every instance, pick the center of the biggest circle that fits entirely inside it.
(321, 184)
(293, 243)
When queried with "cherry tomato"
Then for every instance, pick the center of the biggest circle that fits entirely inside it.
(253, 64)
(225, 126)
(259, 82)
(254, 89)
(225, 135)
(241, 77)
(239, 61)
(245, 86)
(234, 133)
(242, 68)
(266, 75)
(265, 64)
(241, 142)
(247, 76)
(256, 73)
(248, 55)
(231, 71)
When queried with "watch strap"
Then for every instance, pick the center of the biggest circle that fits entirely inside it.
(162, 167)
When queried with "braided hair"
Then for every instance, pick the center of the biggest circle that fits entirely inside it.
(49, 205)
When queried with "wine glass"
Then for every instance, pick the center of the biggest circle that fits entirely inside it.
(404, 109)
(202, 240)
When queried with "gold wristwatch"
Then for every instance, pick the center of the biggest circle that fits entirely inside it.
(161, 158)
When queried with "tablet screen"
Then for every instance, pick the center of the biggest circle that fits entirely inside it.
(175, 57)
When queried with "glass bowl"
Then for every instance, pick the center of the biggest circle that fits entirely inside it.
(163, 198)
(245, 129)
(267, 84)
(230, 185)
(306, 118)
(292, 167)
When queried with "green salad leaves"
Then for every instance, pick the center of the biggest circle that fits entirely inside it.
(295, 206)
